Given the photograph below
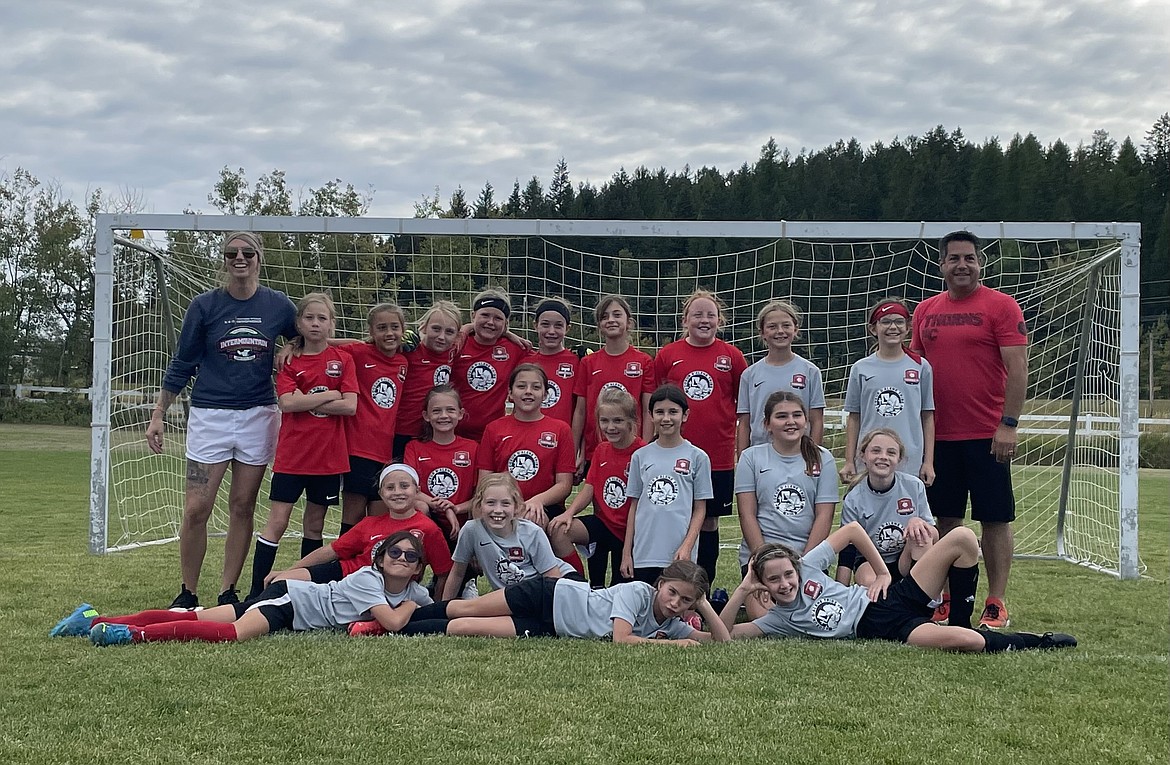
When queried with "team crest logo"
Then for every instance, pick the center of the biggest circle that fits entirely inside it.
(565, 371)
(789, 500)
(548, 440)
(333, 368)
(905, 506)
(442, 483)
(633, 369)
(910, 377)
(384, 392)
(682, 466)
(461, 459)
(613, 492)
(317, 389)
(888, 539)
(481, 376)
(888, 402)
(799, 381)
(723, 363)
(663, 490)
(500, 353)
(813, 589)
(402, 374)
(417, 533)
(552, 395)
(698, 385)
(515, 554)
(612, 386)
(442, 375)
(243, 344)
(523, 465)
(827, 614)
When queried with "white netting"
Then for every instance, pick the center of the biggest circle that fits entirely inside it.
(834, 282)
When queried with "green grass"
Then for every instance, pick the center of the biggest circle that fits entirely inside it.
(323, 698)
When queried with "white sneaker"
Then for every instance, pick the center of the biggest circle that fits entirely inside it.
(586, 551)
(470, 590)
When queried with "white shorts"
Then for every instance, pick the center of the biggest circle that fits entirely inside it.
(221, 435)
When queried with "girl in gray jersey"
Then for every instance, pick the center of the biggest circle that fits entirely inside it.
(808, 603)
(892, 388)
(890, 506)
(385, 591)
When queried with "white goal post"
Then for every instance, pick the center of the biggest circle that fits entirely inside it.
(1078, 283)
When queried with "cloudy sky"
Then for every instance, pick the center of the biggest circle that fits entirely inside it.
(149, 99)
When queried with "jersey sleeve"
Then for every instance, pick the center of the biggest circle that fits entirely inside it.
(1010, 330)
(853, 391)
(773, 625)
(816, 384)
(819, 558)
(349, 383)
(828, 479)
(659, 367)
(849, 507)
(702, 468)
(739, 367)
(364, 589)
(288, 329)
(410, 454)
(465, 546)
(541, 551)
(485, 452)
(418, 594)
(926, 385)
(631, 603)
(634, 484)
(286, 379)
(743, 401)
(353, 542)
(922, 504)
(916, 329)
(435, 546)
(745, 472)
(566, 453)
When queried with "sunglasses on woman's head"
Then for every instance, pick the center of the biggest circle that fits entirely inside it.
(409, 555)
(230, 253)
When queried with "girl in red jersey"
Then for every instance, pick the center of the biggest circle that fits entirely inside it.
(617, 365)
(708, 371)
(381, 373)
(482, 367)
(559, 364)
(429, 352)
(605, 487)
(316, 388)
(445, 462)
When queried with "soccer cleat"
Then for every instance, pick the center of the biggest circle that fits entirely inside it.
(1046, 642)
(76, 624)
(995, 615)
(103, 633)
(694, 621)
(942, 612)
(185, 600)
(228, 597)
(365, 629)
(470, 590)
(719, 599)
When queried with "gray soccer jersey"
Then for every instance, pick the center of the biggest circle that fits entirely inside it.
(584, 613)
(336, 604)
(506, 560)
(666, 483)
(823, 608)
(892, 394)
(799, 376)
(884, 516)
(786, 497)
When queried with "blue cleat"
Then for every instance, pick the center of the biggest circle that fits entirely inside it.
(76, 624)
(110, 634)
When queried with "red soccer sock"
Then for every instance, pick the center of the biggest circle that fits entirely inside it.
(208, 632)
(143, 618)
(574, 560)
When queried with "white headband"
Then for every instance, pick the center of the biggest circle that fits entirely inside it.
(397, 466)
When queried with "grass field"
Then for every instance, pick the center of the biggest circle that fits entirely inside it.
(326, 698)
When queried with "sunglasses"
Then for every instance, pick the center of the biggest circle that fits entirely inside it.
(410, 556)
(230, 253)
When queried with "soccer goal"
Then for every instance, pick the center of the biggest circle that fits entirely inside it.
(1075, 476)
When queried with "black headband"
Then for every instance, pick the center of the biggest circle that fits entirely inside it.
(491, 301)
(553, 305)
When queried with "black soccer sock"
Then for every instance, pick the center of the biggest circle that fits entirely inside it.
(309, 545)
(436, 610)
(262, 560)
(709, 553)
(998, 642)
(963, 582)
(346, 526)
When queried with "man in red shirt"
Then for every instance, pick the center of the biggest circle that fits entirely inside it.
(977, 342)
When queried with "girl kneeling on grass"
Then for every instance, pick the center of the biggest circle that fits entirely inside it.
(811, 604)
(384, 591)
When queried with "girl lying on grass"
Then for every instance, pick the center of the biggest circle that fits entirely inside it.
(384, 591)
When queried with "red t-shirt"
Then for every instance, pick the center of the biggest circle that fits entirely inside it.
(961, 340)
(427, 370)
(445, 472)
(380, 378)
(533, 452)
(310, 443)
(632, 370)
(608, 474)
(353, 548)
(480, 374)
(709, 376)
(561, 369)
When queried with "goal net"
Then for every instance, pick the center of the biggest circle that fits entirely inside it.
(1075, 472)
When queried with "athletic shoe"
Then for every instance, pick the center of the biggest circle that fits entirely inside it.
(586, 551)
(719, 599)
(470, 590)
(1048, 641)
(365, 629)
(942, 612)
(185, 600)
(228, 597)
(110, 634)
(995, 615)
(76, 624)
(694, 621)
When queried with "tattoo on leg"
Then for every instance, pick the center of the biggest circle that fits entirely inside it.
(197, 473)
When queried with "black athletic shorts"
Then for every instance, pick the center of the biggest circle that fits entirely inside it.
(323, 573)
(273, 603)
(608, 546)
(648, 574)
(722, 489)
(362, 477)
(895, 616)
(399, 448)
(318, 489)
(965, 468)
(531, 604)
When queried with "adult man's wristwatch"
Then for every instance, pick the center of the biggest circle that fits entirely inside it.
(1011, 422)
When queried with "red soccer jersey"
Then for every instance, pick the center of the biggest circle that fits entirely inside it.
(561, 369)
(353, 548)
(608, 474)
(533, 452)
(311, 443)
(380, 378)
(709, 376)
(632, 370)
(480, 374)
(961, 340)
(445, 471)
(427, 370)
